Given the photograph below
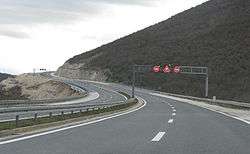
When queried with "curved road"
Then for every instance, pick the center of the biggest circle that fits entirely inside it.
(162, 126)
(104, 97)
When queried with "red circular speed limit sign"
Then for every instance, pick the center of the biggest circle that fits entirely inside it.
(156, 69)
(177, 69)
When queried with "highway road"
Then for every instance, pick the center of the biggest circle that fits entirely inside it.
(97, 95)
(161, 126)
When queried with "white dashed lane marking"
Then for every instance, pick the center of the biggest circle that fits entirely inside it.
(158, 137)
(170, 121)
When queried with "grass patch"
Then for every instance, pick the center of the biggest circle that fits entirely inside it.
(9, 125)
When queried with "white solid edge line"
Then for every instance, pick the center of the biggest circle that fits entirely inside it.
(158, 137)
(174, 110)
(173, 114)
(105, 88)
(74, 126)
(53, 74)
(228, 115)
(92, 96)
(170, 121)
(234, 117)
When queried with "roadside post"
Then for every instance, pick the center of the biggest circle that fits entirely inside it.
(17, 120)
(133, 83)
(35, 117)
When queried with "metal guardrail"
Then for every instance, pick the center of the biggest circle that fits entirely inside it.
(55, 107)
(39, 105)
(224, 103)
(43, 108)
(9, 103)
(70, 110)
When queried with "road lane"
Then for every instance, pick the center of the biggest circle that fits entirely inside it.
(193, 130)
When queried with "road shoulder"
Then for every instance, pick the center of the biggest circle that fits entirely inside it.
(239, 114)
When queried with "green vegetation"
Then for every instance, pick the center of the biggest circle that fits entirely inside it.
(214, 34)
(43, 120)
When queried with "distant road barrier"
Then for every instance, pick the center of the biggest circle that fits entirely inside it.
(43, 107)
(70, 110)
(54, 107)
(6, 126)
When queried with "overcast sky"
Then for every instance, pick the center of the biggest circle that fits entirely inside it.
(45, 33)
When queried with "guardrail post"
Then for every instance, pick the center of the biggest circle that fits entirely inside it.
(35, 117)
(133, 83)
(50, 115)
(17, 120)
(80, 111)
(72, 112)
(214, 98)
(206, 86)
(62, 113)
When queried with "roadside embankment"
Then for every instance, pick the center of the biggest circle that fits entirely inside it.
(33, 88)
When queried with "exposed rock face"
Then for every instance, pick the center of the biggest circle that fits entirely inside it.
(77, 71)
(27, 86)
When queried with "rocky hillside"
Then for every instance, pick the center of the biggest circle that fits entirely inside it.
(27, 86)
(215, 34)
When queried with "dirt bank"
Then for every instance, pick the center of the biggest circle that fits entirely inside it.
(28, 86)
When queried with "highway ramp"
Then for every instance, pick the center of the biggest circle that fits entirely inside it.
(97, 95)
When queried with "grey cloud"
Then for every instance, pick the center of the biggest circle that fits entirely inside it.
(128, 2)
(44, 11)
(15, 34)
(54, 11)
(26, 12)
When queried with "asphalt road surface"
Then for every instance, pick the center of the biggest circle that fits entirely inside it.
(162, 126)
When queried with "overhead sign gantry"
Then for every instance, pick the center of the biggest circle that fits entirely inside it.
(176, 69)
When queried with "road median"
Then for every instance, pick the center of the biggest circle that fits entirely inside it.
(13, 128)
